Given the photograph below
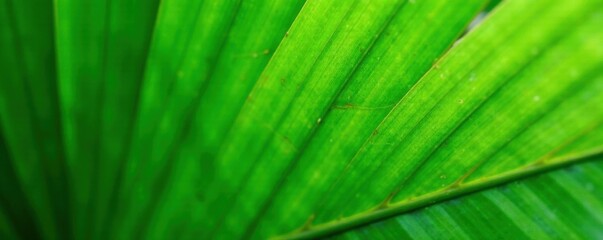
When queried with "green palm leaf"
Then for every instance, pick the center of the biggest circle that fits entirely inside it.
(292, 119)
(556, 204)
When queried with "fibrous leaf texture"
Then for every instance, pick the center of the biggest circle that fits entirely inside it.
(256, 119)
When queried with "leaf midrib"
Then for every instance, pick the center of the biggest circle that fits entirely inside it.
(389, 210)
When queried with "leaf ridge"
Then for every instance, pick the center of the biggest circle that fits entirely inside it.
(293, 162)
(360, 219)
(250, 171)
